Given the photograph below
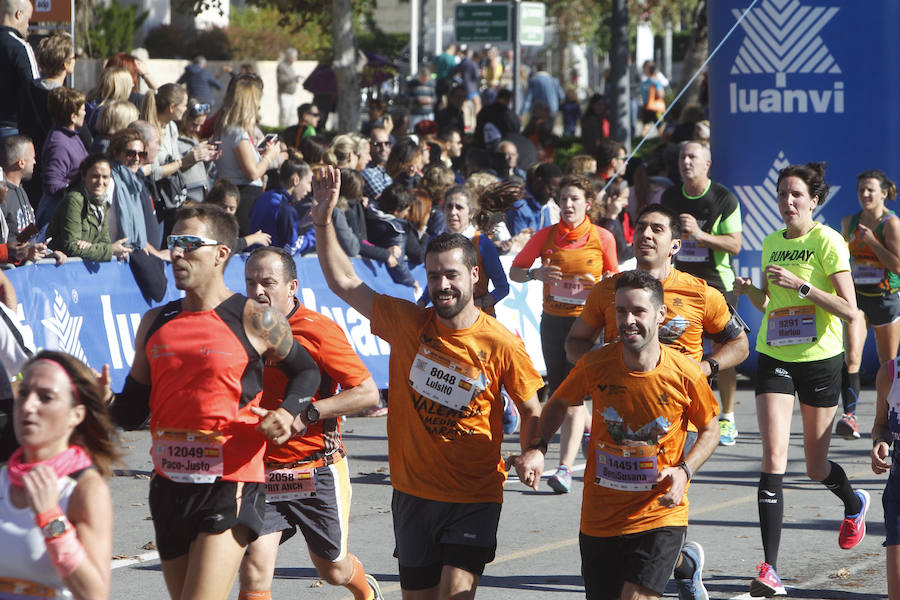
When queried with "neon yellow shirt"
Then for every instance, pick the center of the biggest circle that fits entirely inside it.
(813, 258)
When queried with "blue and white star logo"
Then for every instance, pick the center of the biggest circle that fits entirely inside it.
(760, 205)
(782, 36)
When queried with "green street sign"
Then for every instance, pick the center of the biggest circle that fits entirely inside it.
(532, 17)
(482, 22)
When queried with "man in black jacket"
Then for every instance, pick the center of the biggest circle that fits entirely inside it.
(18, 66)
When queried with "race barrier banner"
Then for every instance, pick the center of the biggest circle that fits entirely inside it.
(794, 84)
(92, 310)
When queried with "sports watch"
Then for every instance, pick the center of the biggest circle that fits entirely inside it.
(804, 290)
(311, 414)
(56, 528)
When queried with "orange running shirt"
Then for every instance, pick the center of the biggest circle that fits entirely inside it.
(339, 365)
(594, 254)
(638, 419)
(205, 375)
(692, 307)
(436, 452)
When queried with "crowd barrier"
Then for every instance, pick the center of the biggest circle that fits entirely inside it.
(92, 310)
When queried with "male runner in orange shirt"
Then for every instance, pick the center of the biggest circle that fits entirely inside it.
(693, 309)
(634, 512)
(307, 477)
(447, 366)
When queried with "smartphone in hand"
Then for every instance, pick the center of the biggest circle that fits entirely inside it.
(271, 137)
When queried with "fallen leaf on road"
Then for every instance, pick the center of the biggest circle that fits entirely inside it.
(840, 574)
(149, 546)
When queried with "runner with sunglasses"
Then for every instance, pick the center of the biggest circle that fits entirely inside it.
(197, 372)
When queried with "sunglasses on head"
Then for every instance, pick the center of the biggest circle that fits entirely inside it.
(135, 154)
(201, 109)
(189, 242)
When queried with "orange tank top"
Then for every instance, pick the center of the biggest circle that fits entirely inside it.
(566, 298)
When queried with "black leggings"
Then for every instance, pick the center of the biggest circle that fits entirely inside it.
(553, 345)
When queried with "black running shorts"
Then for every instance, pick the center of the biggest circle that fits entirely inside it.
(181, 511)
(430, 534)
(646, 559)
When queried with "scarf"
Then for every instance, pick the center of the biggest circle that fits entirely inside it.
(71, 460)
(129, 204)
(572, 236)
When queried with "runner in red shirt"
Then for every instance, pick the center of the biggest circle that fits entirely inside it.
(307, 477)
(197, 372)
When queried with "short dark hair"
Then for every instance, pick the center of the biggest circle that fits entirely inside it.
(221, 226)
(304, 108)
(394, 198)
(62, 103)
(89, 161)
(288, 267)
(812, 174)
(451, 241)
(642, 280)
(221, 189)
(674, 219)
(13, 149)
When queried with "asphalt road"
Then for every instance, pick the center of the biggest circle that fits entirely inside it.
(537, 554)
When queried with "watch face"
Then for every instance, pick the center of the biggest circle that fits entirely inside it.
(312, 413)
(55, 528)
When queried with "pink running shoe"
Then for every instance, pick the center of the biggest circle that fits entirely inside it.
(853, 529)
(767, 583)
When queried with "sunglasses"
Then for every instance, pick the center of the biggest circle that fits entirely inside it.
(381, 144)
(201, 109)
(135, 154)
(189, 242)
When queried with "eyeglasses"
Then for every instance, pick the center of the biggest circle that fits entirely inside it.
(625, 158)
(189, 242)
(135, 154)
(201, 109)
(315, 114)
(381, 144)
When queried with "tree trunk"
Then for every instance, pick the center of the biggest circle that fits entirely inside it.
(344, 66)
(697, 51)
(620, 102)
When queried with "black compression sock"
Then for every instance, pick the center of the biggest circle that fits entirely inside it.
(771, 513)
(687, 567)
(840, 486)
(849, 390)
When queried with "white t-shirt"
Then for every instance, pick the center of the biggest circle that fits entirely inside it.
(227, 166)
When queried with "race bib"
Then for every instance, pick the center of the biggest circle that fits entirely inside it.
(626, 468)
(188, 456)
(445, 380)
(866, 275)
(290, 483)
(20, 589)
(792, 325)
(570, 291)
(692, 251)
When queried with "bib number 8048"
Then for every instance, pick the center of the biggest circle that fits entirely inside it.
(444, 376)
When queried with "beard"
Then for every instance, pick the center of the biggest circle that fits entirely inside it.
(448, 311)
(635, 345)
